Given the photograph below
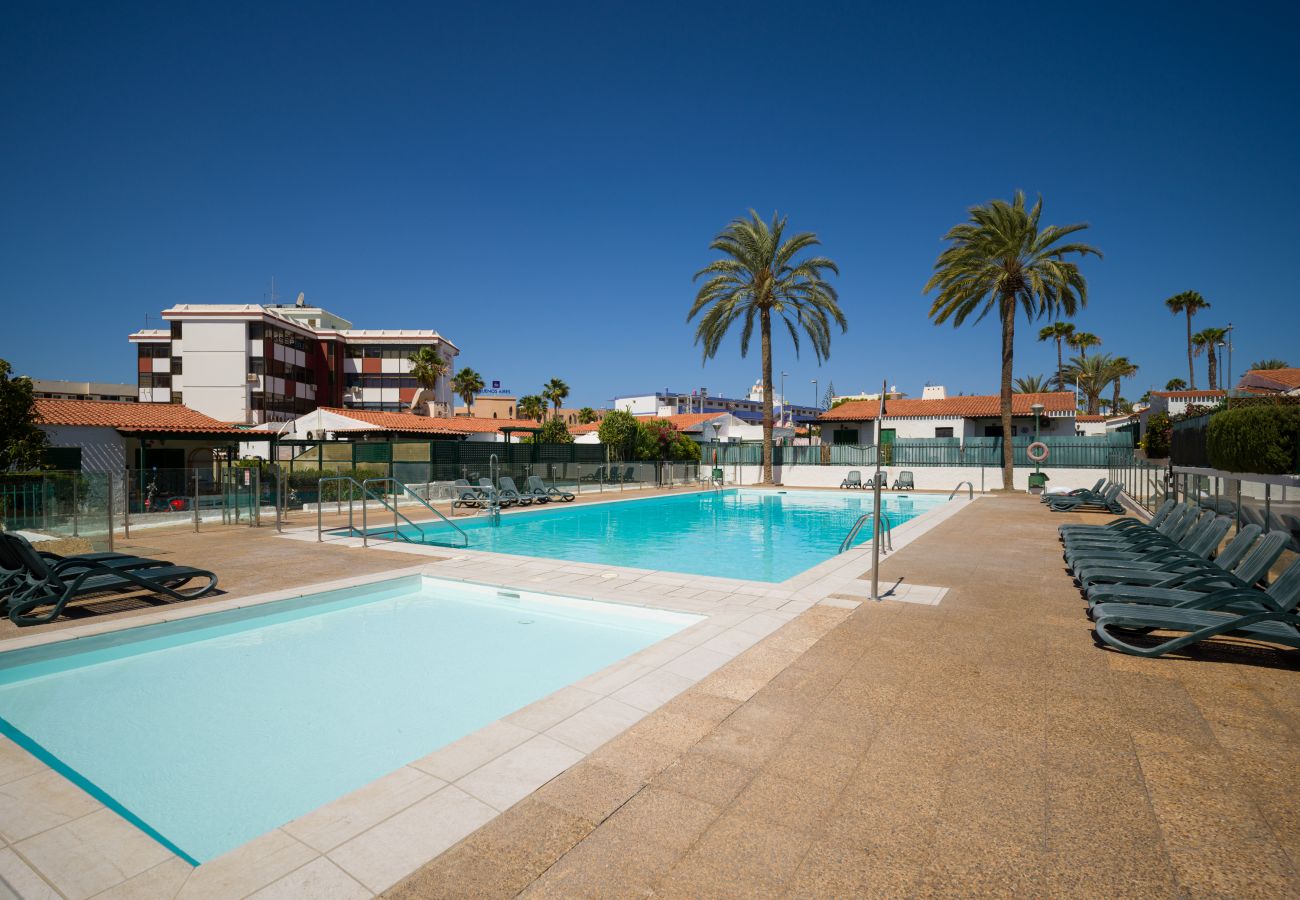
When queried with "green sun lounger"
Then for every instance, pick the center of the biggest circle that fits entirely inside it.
(1078, 530)
(47, 587)
(905, 481)
(1198, 546)
(1194, 539)
(512, 494)
(1173, 528)
(1225, 561)
(1094, 491)
(1107, 501)
(852, 480)
(15, 574)
(1268, 616)
(543, 492)
(1189, 586)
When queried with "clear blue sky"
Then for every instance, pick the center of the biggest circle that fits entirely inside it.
(540, 182)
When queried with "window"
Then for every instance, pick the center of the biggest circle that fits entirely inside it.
(943, 432)
(256, 331)
(257, 365)
(176, 397)
(844, 436)
(176, 365)
(176, 331)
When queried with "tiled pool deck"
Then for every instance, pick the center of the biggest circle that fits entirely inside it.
(980, 745)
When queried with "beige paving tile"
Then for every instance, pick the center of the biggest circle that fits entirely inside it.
(651, 691)
(18, 880)
(16, 763)
(41, 801)
(592, 726)
(552, 710)
(518, 772)
(379, 857)
(92, 853)
(345, 818)
(245, 869)
(467, 754)
(320, 879)
(163, 880)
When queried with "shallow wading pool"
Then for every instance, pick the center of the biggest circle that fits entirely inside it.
(209, 731)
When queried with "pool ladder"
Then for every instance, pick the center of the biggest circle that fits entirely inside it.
(367, 495)
(970, 490)
(888, 544)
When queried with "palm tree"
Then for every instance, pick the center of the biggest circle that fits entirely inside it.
(1059, 332)
(1123, 369)
(1266, 364)
(555, 391)
(1093, 374)
(759, 279)
(427, 366)
(1207, 341)
(587, 415)
(1082, 340)
(1175, 384)
(1189, 302)
(531, 406)
(1032, 384)
(1001, 260)
(467, 383)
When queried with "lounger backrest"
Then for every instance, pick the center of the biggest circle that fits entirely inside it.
(1229, 556)
(1208, 536)
(1163, 512)
(1097, 488)
(10, 562)
(1286, 590)
(1261, 557)
(1187, 523)
(30, 559)
(508, 484)
(535, 483)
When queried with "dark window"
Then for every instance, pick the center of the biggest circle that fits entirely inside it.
(176, 365)
(943, 432)
(257, 365)
(255, 331)
(176, 397)
(844, 436)
(352, 351)
(374, 353)
(176, 331)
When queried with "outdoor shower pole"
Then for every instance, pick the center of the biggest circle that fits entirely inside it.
(875, 501)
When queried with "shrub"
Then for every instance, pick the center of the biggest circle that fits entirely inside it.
(553, 431)
(306, 481)
(1260, 439)
(660, 439)
(618, 431)
(1156, 441)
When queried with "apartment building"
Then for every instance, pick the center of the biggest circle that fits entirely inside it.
(51, 389)
(749, 409)
(251, 364)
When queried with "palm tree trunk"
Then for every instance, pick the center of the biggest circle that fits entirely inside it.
(1212, 357)
(765, 330)
(1191, 369)
(1008, 342)
(1114, 403)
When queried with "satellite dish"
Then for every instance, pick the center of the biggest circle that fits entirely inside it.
(302, 299)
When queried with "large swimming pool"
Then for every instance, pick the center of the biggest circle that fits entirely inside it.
(210, 731)
(748, 534)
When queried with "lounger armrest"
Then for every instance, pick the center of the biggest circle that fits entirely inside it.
(1229, 596)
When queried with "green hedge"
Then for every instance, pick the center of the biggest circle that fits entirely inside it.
(307, 481)
(1260, 439)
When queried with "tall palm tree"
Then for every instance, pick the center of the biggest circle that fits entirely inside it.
(1175, 384)
(467, 383)
(427, 366)
(1189, 302)
(1124, 368)
(1082, 340)
(1059, 332)
(555, 391)
(1093, 374)
(531, 406)
(759, 279)
(587, 416)
(1207, 341)
(1032, 384)
(1000, 260)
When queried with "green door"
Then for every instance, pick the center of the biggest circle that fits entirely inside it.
(886, 446)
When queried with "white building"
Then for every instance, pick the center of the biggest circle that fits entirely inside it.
(698, 427)
(251, 364)
(332, 423)
(672, 403)
(48, 389)
(939, 416)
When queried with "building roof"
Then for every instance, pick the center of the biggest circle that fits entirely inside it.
(1190, 395)
(1055, 403)
(128, 417)
(377, 420)
(1088, 417)
(1285, 379)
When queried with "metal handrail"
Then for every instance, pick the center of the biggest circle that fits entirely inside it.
(888, 545)
(970, 490)
(320, 503)
(365, 486)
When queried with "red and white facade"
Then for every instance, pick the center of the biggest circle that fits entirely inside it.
(253, 364)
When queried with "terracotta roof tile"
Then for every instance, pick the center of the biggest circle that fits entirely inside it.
(409, 422)
(1088, 417)
(151, 417)
(1286, 379)
(973, 405)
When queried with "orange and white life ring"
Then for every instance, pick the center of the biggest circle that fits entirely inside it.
(1037, 451)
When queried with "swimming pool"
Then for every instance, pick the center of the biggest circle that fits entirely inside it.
(748, 534)
(209, 731)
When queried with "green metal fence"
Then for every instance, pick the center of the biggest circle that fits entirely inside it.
(1063, 452)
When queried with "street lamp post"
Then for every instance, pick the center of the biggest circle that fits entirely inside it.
(715, 475)
(814, 406)
(783, 374)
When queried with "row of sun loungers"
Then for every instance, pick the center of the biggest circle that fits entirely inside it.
(1171, 576)
(31, 580)
(506, 493)
(904, 482)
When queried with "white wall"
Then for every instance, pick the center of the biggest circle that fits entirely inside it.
(216, 368)
(102, 449)
(927, 478)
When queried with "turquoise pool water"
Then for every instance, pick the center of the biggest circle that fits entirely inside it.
(755, 535)
(212, 731)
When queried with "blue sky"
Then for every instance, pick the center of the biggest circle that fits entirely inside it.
(540, 182)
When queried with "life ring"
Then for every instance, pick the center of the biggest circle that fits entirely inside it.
(1037, 451)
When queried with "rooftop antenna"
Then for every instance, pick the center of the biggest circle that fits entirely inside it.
(302, 299)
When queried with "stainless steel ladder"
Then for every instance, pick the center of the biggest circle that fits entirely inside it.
(888, 544)
(970, 490)
(366, 495)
